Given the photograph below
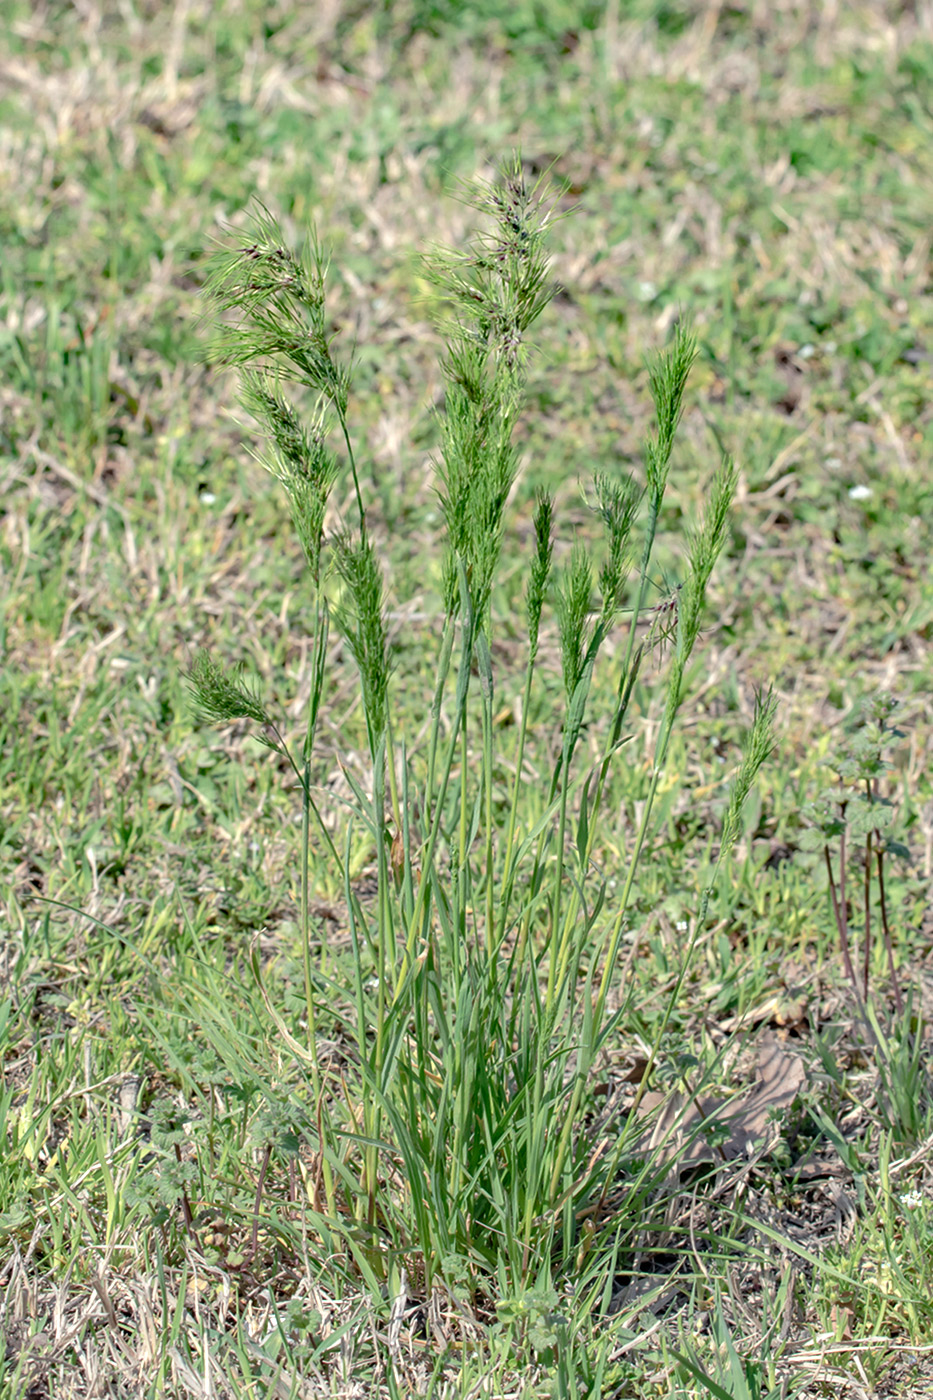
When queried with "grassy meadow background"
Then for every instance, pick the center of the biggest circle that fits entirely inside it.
(764, 170)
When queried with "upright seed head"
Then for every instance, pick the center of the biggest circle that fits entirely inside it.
(617, 502)
(540, 567)
(758, 749)
(668, 377)
(362, 621)
(706, 545)
(573, 609)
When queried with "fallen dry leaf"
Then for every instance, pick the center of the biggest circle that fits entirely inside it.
(684, 1125)
(752, 1117)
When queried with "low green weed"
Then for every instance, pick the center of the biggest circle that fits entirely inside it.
(853, 830)
(451, 1133)
(854, 810)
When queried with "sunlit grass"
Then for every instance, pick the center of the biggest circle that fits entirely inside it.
(767, 186)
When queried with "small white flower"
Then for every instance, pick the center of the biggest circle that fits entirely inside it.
(682, 925)
(207, 498)
(647, 291)
(912, 1199)
(859, 493)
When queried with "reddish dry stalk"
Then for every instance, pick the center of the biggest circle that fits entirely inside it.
(840, 913)
(839, 909)
(866, 951)
(185, 1203)
(254, 1238)
(888, 942)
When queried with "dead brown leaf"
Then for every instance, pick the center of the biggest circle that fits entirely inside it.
(781, 1077)
(684, 1125)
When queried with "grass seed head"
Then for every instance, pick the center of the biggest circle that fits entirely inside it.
(222, 696)
(361, 618)
(668, 377)
(573, 610)
(540, 566)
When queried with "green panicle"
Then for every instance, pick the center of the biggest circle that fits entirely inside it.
(299, 458)
(706, 545)
(617, 502)
(361, 619)
(540, 567)
(668, 377)
(222, 696)
(758, 748)
(278, 301)
(494, 290)
(573, 609)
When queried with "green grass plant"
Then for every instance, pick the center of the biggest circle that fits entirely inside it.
(858, 822)
(482, 971)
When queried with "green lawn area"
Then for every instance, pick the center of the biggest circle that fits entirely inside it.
(353, 1129)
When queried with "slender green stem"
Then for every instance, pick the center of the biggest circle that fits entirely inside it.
(587, 1049)
(356, 480)
(393, 778)
(630, 665)
(508, 866)
(407, 888)
(888, 941)
(488, 776)
(686, 963)
(382, 915)
(383, 932)
(630, 662)
(430, 846)
(563, 1145)
(281, 747)
(309, 984)
(443, 671)
(460, 874)
(535, 1143)
(625, 896)
(575, 931)
(543, 1047)
(538, 863)
(866, 950)
(305, 905)
(558, 882)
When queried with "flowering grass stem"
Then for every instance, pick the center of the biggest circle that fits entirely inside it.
(482, 969)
